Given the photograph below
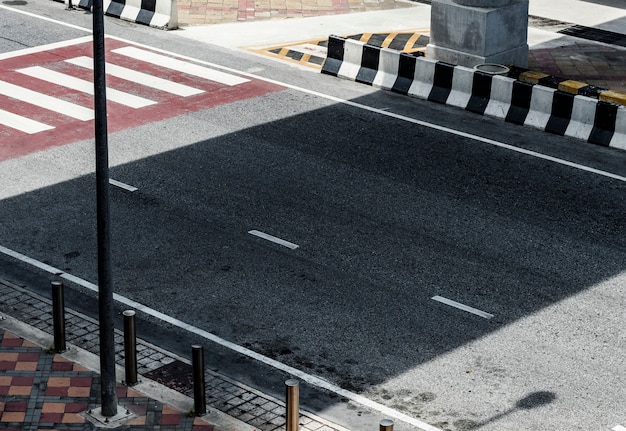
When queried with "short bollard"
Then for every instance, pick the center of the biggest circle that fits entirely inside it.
(293, 401)
(386, 425)
(58, 316)
(197, 362)
(130, 348)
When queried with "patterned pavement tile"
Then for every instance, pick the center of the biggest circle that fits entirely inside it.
(45, 391)
(153, 362)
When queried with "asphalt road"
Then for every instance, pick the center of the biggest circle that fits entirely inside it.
(386, 214)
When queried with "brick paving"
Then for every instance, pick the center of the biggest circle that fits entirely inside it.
(192, 12)
(63, 386)
(43, 390)
(596, 64)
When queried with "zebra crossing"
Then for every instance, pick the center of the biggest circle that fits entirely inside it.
(44, 101)
(47, 92)
(136, 76)
(85, 86)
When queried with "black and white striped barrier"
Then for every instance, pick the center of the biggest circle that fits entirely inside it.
(155, 13)
(513, 100)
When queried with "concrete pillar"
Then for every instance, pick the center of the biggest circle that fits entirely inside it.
(471, 32)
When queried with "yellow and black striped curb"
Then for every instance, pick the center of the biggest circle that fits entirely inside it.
(578, 88)
(410, 41)
(312, 53)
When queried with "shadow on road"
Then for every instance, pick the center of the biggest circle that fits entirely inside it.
(386, 216)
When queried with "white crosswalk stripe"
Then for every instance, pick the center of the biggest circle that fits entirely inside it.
(85, 86)
(47, 102)
(180, 66)
(139, 77)
(22, 124)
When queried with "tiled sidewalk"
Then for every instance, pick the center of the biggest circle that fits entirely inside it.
(596, 64)
(240, 404)
(192, 12)
(43, 390)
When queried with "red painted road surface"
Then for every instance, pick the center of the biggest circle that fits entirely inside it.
(65, 129)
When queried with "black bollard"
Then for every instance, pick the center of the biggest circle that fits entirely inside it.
(197, 362)
(58, 316)
(130, 348)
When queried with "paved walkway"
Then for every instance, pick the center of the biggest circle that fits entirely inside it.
(220, 11)
(571, 39)
(43, 390)
(596, 64)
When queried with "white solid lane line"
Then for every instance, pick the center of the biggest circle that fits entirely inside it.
(85, 86)
(47, 102)
(47, 47)
(30, 261)
(22, 124)
(139, 77)
(312, 380)
(180, 66)
(273, 239)
(618, 428)
(462, 307)
(43, 18)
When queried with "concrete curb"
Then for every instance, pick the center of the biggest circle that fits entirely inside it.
(155, 13)
(552, 104)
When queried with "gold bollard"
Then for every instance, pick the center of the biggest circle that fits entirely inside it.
(386, 425)
(293, 414)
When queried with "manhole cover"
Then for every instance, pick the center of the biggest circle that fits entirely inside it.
(176, 375)
(492, 69)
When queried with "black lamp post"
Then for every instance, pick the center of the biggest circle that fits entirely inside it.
(105, 291)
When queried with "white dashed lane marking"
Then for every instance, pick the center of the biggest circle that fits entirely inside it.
(463, 307)
(122, 185)
(273, 239)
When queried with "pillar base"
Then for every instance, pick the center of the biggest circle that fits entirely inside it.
(516, 56)
(471, 35)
